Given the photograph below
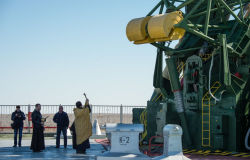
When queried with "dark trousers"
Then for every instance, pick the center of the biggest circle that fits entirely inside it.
(20, 130)
(81, 148)
(88, 144)
(74, 140)
(58, 133)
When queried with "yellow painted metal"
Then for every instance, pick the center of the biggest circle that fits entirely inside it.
(205, 57)
(206, 115)
(158, 97)
(181, 66)
(143, 120)
(136, 30)
(161, 27)
(180, 69)
(158, 28)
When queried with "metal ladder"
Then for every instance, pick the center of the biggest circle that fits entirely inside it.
(206, 114)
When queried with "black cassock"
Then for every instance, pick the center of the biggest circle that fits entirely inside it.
(37, 142)
(73, 131)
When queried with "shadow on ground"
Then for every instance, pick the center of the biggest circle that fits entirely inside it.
(50, 152)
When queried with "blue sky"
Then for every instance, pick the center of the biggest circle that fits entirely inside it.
(51, 51)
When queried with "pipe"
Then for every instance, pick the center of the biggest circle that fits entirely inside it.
(178, 101)
(246, 139)
(178, 98)
(209, 79)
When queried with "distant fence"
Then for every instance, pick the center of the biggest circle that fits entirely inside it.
(103, 113)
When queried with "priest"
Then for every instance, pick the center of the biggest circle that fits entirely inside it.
(83, 127)
(37, 142)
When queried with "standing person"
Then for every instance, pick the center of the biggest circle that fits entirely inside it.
(17, 117)
(37, 142)
(73, 132)
(62, 120)
(83, 126)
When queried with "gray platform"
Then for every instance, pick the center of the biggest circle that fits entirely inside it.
(122, 156)
(7, 152)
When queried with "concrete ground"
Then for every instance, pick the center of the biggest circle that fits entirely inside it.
(24, 152)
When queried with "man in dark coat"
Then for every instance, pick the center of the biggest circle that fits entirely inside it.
(37, 142)
(18, 117)
(62, 120)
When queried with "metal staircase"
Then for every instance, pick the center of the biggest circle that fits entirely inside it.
(206, 104)
(237, 84)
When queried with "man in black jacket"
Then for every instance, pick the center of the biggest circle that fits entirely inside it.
(18, 117)
(62, 120)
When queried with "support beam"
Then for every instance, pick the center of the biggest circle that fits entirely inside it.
(161, 9)
(220, 10)
(157, 82)
(174, 76)
(176, 52)
(241, 11)
(205, 37)
(230, 11)
(200, 34)
(210, 26)
(166, 3)
(183, 4)
(215, 9)
(164, 48)
(176, 89)
(209, 3)
(226, 71)
(155, 8)
(192, 11)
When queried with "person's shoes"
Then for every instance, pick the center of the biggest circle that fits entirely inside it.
(20, 145)
(57, 147)
(65, 147)
(14, 145)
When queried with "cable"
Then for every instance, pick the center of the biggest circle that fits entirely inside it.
(209, 79)
(246, 139)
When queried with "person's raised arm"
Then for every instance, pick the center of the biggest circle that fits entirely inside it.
(87, 105)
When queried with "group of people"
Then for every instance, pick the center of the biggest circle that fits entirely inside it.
(81, 128)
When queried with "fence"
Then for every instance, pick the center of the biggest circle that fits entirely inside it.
(103, 113)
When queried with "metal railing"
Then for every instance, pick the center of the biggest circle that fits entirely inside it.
(102, 113)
